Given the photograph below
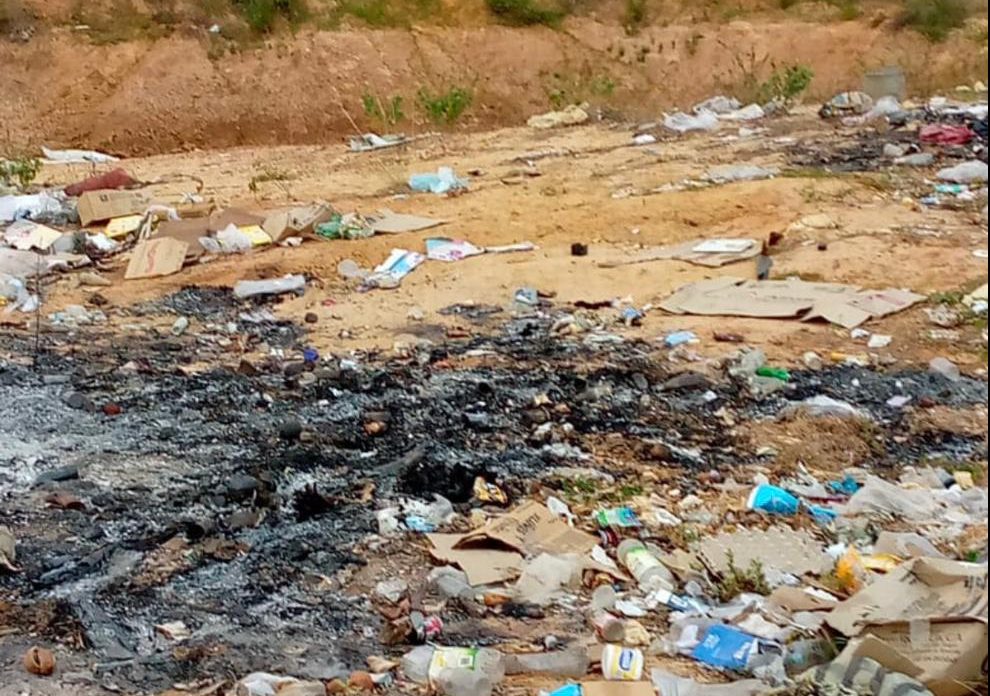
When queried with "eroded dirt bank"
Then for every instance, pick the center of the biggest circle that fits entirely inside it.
(172, 94)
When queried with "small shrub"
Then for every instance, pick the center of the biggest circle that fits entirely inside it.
(635, 15)
(788, 4)
(737, 580)
(374, 13)
(445, 107)
(386, 111)
(848, 9)
(934, 18)
(557, 98)
(387, 13)
(267, 173)
(261, 15)
(20, 170)
(525, 12)
(786, 84)
(603, 85)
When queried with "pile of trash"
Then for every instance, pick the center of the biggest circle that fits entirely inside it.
(93, 222)
(514, 510)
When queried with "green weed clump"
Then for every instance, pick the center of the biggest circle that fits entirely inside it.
(526, 12)
(445, 107)
(786, 84)
(262, 15)
(934, 18)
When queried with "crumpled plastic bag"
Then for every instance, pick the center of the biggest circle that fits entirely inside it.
(719, 104)
(264, 684)
(683, 123)
(964, 172)
(545, 576)
(882, 497)
(670, 684)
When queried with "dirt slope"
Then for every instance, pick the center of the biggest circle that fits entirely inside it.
(141, 97)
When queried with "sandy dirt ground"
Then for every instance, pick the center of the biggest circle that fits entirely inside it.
(586, 185)
(881, 237)
(177, 93)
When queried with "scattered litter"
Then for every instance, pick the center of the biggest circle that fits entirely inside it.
(702, 252)
(34, 206)
(97, 206)
(277, 286)
(371, 141)
(965, 172)
(443, 181)
(156, 257)
(77, 156)
(845, 104)
(728, 173)
(26, 235)
(839, 304)
(684, 123)
(391, 271)
(570, 116)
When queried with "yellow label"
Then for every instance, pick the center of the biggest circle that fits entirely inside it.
(452, 658)
(119, 227)
(257, 235)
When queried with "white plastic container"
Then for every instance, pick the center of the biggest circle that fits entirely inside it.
(649, 572)
(620, 663)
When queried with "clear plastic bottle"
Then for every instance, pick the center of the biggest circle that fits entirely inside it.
(572, 662)
(425, 663)
(649, 572)
(464, 682)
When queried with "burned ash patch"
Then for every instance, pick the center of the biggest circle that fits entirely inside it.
(219, 308)
(231, 501)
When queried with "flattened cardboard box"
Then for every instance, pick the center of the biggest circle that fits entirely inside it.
(96, 206)
(930, 611)
(298, 221)
(189, 231)
(237, 217)
(531, 528)
(156, 257)
(482, 566)
(617, 688)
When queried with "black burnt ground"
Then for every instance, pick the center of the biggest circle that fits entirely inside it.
(227, 500)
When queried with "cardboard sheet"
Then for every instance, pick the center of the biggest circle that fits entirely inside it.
(97, 206)
(845, 305)
(782, 548)
(232, 216)
(617, 688)
(701, 252)
(387, 222)
(188, 231)
(156, 257)
(929, 611)
(532, 529)
(482, 566)
(122, 226)
(298, 221)
(25, 235)
(796, 599)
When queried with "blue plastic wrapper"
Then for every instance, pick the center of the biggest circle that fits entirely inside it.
(846, 486)
(821, 515)
(567, 690)
(726, 647)
(772, 499)
(679, 338)
(415, 523)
